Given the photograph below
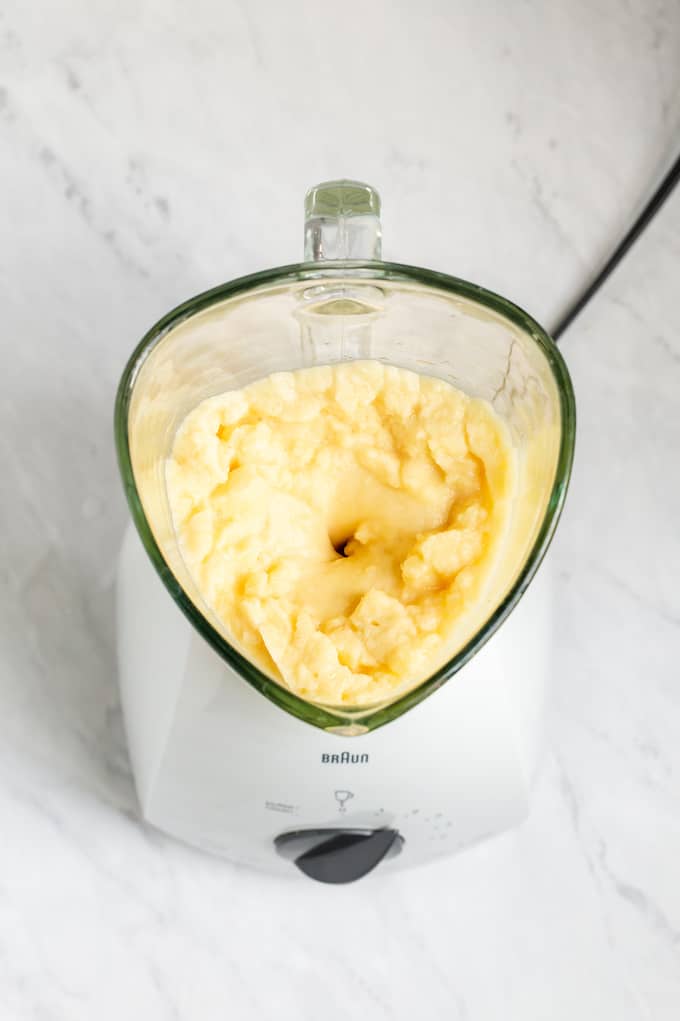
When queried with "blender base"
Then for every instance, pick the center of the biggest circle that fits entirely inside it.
(219, 766)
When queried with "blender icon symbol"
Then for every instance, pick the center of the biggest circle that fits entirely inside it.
(342, 797)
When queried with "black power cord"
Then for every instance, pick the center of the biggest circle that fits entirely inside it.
(644, 219)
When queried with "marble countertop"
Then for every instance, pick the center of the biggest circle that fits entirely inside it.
(150, 150)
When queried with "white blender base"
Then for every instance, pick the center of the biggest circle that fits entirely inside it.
(221, 767)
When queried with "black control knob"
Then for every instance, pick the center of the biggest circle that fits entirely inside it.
(338, 855)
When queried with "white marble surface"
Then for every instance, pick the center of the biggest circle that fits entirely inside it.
(151, 149)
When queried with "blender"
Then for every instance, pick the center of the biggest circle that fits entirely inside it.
(226, 757)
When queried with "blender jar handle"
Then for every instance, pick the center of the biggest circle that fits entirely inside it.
(342, 221)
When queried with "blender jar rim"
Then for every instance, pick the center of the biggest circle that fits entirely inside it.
(342, 720)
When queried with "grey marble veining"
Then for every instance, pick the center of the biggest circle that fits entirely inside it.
(150, 150)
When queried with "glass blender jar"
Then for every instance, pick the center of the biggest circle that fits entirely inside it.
(342, 303)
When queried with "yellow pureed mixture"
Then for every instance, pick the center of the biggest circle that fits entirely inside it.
(343, 522)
